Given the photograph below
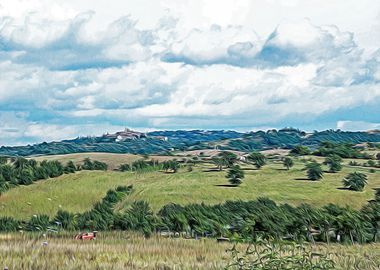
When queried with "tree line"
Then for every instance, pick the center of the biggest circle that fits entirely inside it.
(251, 220)
(22, 171)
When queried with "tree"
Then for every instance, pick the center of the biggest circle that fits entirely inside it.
(170, 166)
(219, 162)
(334, 163)
(228, 158)
(314, 171)
(288, 162)
(4, 186)
(3, 160)
(20, 163)
(300, 150)
(258, 159)
(377, 195)
(70, 167)
(355, 181)
(235, 175)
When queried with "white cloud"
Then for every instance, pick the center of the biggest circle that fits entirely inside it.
(233, 44)
(357, 125)
(188, 66)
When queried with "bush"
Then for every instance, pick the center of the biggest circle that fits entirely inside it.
(300, 150)
(38, 223)
(235, 175)
(8, 224)
(314, 171)
(355, 181)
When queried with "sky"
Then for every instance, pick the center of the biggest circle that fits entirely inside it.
(73, 68)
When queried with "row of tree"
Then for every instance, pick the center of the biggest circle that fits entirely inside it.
(248, 220)
(169, 166)
(21, 171)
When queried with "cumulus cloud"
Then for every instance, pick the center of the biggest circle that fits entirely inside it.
(60, 77)
(66, 44)
(231, 45)
(294, 43)
(357, 125)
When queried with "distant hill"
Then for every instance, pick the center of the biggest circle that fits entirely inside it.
(164, 142)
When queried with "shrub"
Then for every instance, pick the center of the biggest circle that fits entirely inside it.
(334, 163)
(355, 181)
(8, 224)
(235, 175)
(314, 171)
(288, 163)
(257, 158)
(300, 150)
(38, 223)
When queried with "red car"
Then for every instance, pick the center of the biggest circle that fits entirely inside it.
(86, 236)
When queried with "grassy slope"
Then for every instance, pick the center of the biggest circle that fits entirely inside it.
(79, 191)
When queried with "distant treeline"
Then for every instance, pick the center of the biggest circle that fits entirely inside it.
(251, 220)
(192, 140)
(21, 171)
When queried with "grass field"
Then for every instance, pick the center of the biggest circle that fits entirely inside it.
(78, 192)
(119, 250)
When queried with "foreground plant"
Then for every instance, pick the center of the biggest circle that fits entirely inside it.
(265, 254)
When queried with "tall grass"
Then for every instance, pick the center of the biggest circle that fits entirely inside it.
(120, 250)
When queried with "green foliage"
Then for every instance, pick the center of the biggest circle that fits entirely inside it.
(265, 255)
(124, 167)
(314, 171)
(300, 150)
(88, 164)
(3, 160)
(344, 150)
(8, 224)
(4, 186)
(235, 175)
(170, 166)
(139, 217)
(288, 163)
(355, 181)
(219, 162)
(70, 167)
(66, 220)
(38, 223)
(334, 163)
(228, 159)
(257, 158)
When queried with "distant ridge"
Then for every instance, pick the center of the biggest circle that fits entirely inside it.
(164, 142)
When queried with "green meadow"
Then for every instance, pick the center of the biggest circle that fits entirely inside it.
(78, 192)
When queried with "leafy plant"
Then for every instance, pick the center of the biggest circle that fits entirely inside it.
(235, 175)
(355, 181)
(314, 171)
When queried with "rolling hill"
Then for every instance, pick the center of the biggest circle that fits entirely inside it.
(165, 142)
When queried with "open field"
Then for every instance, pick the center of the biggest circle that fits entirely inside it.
(119, 250)
(78, 192)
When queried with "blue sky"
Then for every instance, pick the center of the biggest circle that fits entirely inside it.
(70, 68)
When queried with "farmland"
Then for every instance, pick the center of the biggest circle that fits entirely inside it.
(78, 192)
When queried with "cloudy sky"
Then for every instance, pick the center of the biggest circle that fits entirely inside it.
(70, 67)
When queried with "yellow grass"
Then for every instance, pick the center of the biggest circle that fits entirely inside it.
(119, 250)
